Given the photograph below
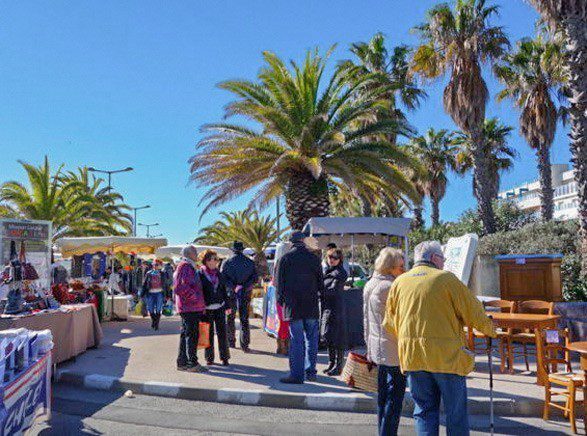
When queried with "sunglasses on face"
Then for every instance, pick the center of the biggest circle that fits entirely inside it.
(334, 257)
(214, 259)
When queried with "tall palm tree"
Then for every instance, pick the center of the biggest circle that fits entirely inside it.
(460, 40)
(570, 18)
(531, 75)
(436, 151)
(500, 156)
(249, 227)
(314, 134)
(54, 197)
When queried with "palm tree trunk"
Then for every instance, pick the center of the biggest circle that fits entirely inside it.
(418, 220)
(305, 198)
(435, 213)
(261, 264)
(545, 171)
(576, 42)
(483, 189)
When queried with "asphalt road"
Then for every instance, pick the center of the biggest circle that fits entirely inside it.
(78, 411)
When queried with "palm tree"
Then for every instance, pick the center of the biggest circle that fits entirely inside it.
(252, 230)
(315, 135)
(530, 76)
(499, 154)
(436, 151)
(460, 41)
(56, 198)
(570, 18)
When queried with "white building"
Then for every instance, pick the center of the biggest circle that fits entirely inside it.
(527, 196)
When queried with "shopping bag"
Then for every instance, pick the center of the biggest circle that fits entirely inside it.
(168, 308)
(139, 307)
(204, 335)
(359, 373)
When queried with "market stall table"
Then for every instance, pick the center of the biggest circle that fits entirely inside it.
(75, 328)
(581, 348)
(521, 321)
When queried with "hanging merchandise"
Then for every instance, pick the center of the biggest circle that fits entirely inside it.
(28, 271)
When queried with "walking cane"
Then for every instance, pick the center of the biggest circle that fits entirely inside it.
(491, 418)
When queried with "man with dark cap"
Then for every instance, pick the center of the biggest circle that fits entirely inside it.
(240, 275)
(299, 282)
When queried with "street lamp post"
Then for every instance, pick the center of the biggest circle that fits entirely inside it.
(148, 226)
(110, 172)
(134, 221)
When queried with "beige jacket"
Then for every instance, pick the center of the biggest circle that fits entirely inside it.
(381, 345)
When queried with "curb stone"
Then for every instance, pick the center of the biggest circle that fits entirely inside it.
(323, 402)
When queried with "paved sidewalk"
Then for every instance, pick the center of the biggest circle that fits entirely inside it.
(132, 356)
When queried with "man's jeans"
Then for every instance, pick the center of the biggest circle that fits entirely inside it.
(390, 397)
(427, 389)
(241, 303)
(303, 347)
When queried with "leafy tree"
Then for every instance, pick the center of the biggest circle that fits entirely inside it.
(531, 75)
(67, 202)
(436, 151)
(500, 156)
(254, 231)
(315, 134)
(569, 17)
(460, 40)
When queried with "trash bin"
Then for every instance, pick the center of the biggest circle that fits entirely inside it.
(530, 277)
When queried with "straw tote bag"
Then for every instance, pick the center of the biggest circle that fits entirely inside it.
(359, 373)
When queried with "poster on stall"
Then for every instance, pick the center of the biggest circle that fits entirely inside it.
(36, 238)
(271, 320)
(460, 254)
(26, 398)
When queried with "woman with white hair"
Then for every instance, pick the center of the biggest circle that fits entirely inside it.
(381, 345)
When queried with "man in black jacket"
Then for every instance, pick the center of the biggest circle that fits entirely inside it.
(299, 282)
(240, 275)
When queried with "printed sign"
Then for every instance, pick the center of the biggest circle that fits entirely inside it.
(459, 254)
(26, 398)
(19, 231)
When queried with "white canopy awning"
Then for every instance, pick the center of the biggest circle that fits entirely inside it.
(345, 231)
(113, 244)
(174, 251)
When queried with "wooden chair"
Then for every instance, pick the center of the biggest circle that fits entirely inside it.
(557, 354)
(526, 337)
(504, 306)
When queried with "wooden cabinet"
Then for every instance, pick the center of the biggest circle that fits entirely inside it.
(530, 277)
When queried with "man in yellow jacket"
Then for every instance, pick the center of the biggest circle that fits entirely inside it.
(427, 309)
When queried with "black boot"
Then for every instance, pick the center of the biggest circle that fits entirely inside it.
(331, 360)
(337, 370)
(157, 319)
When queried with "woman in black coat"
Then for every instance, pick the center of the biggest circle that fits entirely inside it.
(332, 323)
(215, 295)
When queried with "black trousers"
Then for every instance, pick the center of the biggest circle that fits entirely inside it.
(241, 303)
(188, 339)
(217, 320)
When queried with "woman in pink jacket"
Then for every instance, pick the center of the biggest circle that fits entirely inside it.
(190, 304)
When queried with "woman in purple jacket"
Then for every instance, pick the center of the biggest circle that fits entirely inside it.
(189, 301)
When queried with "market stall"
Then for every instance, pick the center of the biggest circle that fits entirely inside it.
(117, 306)
(345, 233)
(174, 251)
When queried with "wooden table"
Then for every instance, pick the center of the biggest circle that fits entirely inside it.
(581, 348)
(535, 322)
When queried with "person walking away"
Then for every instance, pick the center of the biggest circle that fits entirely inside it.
(190, 304)
(240, 275)
(214, 289)
(332, 323)
(299, 282)
(427, 309)
(153, 293)
(381, 345)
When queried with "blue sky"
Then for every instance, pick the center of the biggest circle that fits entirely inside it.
(111, 84)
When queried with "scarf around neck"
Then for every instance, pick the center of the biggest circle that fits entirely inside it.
(211, 275)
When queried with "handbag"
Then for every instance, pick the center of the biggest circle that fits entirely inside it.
(359, 373)
(203, 335)
(28, 271)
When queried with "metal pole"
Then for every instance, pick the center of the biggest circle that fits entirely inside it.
(109, 181)
(278, 220)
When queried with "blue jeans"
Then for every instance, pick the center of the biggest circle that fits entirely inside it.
(303, 347)
(391, 387)
(154, 302)
(427, 389)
